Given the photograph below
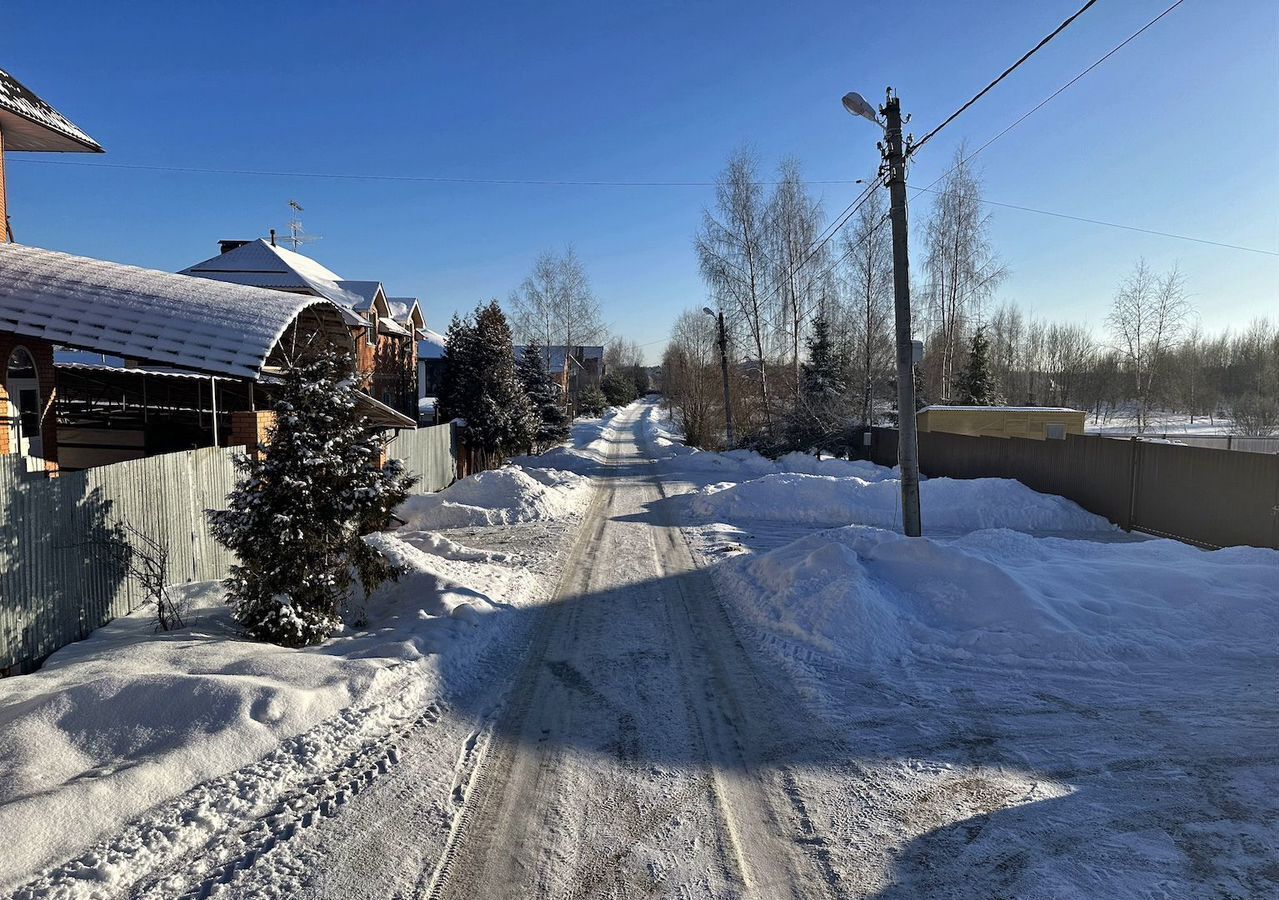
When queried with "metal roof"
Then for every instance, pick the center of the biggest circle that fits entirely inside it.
(155, 317)
(31, 124)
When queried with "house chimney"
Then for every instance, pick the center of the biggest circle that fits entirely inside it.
(228, 246)
(272, 237)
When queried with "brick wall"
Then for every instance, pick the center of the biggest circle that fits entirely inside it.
(42, 353)
(251, 429)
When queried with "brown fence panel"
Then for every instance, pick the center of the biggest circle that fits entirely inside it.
(1216, 498)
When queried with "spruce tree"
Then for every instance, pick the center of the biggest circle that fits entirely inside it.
(975, 385)
(296, 516)
(481, 387)
(545, 396)
(822, 410)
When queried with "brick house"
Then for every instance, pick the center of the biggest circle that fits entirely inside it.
(383, 330)
(27, 384)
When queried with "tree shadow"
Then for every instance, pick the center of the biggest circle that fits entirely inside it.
(63, 561)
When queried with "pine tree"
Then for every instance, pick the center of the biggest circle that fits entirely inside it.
(822, 411)
(545, 395)
(296, 516)
(481, 387)
(975, 385)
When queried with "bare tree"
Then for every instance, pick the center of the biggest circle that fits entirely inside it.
(691, 378)
(868, 287)
(555, 306)
(734, 262)
(794, 221)
(1146, 320)
(962, 268)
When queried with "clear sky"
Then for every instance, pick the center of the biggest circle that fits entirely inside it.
(1177, 132)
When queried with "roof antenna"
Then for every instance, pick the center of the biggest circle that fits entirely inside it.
(272, 237)
(297, 235)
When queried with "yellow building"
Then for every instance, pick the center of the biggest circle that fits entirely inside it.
(1034, 422)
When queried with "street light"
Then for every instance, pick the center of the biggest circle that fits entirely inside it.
(723, 364)
(894, 171)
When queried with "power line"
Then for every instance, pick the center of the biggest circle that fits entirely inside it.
(1044, 102)
(1167, 234)
(368, 176)
(1004, 74)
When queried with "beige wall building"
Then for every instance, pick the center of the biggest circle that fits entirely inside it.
(1037, 423)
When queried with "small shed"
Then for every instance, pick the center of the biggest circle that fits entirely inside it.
(1036, 423)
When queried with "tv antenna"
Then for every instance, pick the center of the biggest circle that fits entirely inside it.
(297, 234)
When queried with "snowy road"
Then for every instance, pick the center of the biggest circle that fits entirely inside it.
(630, 758)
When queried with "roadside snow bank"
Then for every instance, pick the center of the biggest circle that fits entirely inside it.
(114, 726)
(945, 503)
(501, 497)
(588, 445)
(1004, 597)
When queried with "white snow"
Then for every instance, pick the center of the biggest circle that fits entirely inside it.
(499, 497)
(945, 503)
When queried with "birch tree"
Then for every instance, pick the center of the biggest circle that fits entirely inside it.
(961, 266)
(794, 221)
(733, 260)
(868, 289)
(1146, 320)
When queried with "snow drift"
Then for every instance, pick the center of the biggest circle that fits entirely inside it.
(1005, 597)
(946, 503)
(501, 497)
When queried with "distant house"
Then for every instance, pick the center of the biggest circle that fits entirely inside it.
(148, 362)
(573, 371)
(385, 331)
(27, 385)
(1034, 422)
(430, 372)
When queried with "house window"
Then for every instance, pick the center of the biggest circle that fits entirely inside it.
(23, 387)
(1056, 431)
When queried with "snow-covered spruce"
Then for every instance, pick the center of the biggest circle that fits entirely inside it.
(295, 519)
(545, 396)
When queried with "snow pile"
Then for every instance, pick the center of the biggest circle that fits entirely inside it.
(590, 440)
(126, 719)
(500, 497)
(946, 503)
(1004, 597)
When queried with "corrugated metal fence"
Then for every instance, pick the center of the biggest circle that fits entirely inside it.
(430, 453)
(58, 577)
(1210, 497)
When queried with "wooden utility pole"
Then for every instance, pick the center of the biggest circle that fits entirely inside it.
(723, 363)
(907, 437)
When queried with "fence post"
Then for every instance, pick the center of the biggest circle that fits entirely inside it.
(1132, 483)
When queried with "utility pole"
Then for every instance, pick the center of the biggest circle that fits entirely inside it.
(723, 364)
(907, 438)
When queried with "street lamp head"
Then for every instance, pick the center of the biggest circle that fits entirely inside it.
(856, 104)
(710, 312)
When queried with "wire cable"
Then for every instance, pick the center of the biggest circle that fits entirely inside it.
(1073, 218)
(1004, 74)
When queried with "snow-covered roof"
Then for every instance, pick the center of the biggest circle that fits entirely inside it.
(391, 326)
(260, 263)
(156, 317)
(1018, 409)
(432, 344)
(403, 310)
(29, 123)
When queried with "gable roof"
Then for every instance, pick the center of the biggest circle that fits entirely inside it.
(260, 263)
(156, 317)
(31, 124)
(407, 311)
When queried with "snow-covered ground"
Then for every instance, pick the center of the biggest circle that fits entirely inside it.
(1026, 714)
(748, 684)
(1124, 421)
(131, 748)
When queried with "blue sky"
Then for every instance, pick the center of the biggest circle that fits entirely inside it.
(1178, 132)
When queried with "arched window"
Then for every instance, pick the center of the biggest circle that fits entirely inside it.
(23, 386)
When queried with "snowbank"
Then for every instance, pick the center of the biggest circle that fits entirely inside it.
(501, 497)
(589, 443)
(945, 503)
(115, 725)
(1009, 598)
